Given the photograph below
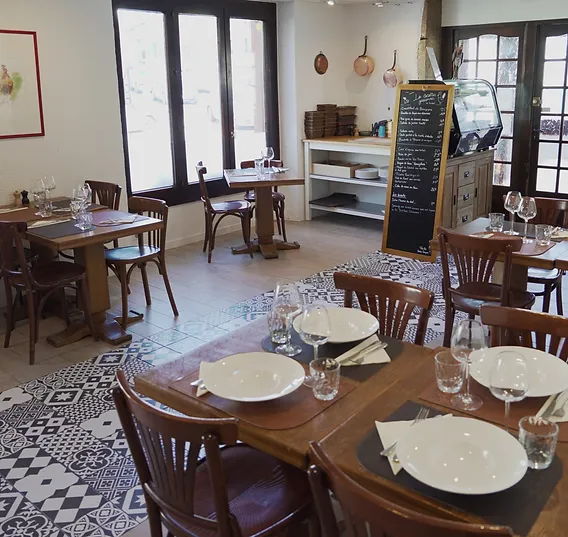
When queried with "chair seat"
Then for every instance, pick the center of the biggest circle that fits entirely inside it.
(543, 276)
(491, 293)
(261, 490)
(230, 206)
(56, 272)
(130, 254)
(276, 196)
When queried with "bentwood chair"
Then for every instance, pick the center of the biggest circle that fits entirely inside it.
(240, 209)
(278, 199)
(554, 212)
(391, 303)
(524, 328)
(38, 283)
(475, 259)
(153, 250)
(107, 194)
(236, 491)
(368, 514)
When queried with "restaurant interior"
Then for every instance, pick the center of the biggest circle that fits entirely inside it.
(283, 267)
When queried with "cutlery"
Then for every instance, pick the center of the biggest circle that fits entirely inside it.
(559, 405)
(197, 382)
(423, 413)
(3, 211)
(550, 408)
(360, 356)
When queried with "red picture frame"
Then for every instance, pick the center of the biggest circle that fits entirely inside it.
(40, 118)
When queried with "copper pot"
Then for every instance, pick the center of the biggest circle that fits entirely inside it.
(364, 65)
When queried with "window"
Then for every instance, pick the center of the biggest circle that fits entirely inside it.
(197, 83)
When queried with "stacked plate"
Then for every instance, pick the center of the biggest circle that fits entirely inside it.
(314, 124)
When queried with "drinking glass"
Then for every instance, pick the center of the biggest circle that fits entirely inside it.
(277, 325)
(467, 336)
(39, 195)
(268, 154)
(539, 437)
(496, 221)
(84, 221)
(49, 182)
(512, 204)
(509, 379)
(527, 211)
(449, 372)
(75, 207)
(314, 330)
(259, 167)
(325, 375)
(288, 303)
(543, 234)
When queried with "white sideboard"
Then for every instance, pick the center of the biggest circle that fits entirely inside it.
(371, 194)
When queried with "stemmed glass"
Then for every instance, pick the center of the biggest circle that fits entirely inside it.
(468, 336)
(512, 204)
(287, 305)
(268, 154)
(527, 211)
(39, 193)
(49, 183)
(509, 380)
(315, 330)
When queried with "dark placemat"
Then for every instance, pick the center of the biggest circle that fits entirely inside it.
(55, 231)
(288, 412)
(359, 373)
(517, 507)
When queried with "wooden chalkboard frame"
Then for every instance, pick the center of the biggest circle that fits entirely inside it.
(445, 143)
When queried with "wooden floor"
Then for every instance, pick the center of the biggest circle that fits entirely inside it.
(201, 290)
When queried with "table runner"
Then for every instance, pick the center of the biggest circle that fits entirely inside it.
(517, 507)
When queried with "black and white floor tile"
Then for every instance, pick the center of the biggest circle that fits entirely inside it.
(65, 467)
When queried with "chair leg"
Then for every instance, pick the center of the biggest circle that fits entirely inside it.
(87, 308)
(283, 221)
(154, 517)
(146, 284)
(207, 231)
(164, 272)
(277, 212)
(10, 319)
(32, 321)
(559, 305)
(245, 226)
(124, 293)
(212, 232)
(448, 325)
(546, 299)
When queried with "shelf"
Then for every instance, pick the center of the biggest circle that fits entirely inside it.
(359, 208)
(366, 182)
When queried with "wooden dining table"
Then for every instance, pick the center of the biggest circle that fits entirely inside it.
(88, 247)
(265, 243)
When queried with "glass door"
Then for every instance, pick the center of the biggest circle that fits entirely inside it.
(549, 148)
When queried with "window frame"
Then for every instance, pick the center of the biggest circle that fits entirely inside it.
(185, 188)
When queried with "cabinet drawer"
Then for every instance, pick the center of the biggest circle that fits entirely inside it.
(466, 195)
(466, 174)
(465, 215)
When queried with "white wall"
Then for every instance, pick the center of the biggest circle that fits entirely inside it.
(465, 12)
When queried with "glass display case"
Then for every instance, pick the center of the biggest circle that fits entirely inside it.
(476, 121)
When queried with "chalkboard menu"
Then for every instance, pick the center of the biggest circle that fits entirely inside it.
(422, 122)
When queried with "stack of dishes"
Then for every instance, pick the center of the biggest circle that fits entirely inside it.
(367, 173)
(314, 124)
(330, 114)
(384, 172)
(346, 120)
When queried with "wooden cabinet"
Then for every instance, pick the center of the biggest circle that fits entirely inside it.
(467, 188)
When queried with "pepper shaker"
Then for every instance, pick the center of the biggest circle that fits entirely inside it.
(25, 200)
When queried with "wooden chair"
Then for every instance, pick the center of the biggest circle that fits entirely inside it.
(236, 491)
(554, 212)
(278, 199)
(475, 258)
(38, 283)
(369, 514)
(107, 194)
(154, 250)
(390, 302)
(240, 209)
(524, 328)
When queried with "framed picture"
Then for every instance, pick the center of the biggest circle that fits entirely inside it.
(21, 109)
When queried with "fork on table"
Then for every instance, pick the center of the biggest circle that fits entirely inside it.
(423, 413)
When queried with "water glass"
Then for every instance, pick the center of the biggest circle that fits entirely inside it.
(259, 167)
(539, 437)
(84, 221)
(449, 372)
(75, 207)
(277, 325)
(325, 378)
(543, 233)
(288, 303)
(496, 221)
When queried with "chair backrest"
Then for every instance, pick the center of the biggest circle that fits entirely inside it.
(107, 194)
(475, 259)
(525, 328)
(391, 303)
(369, 514)
(552, 211)
(153, 208)
(165, 449)
(201, 173)
(12, 258)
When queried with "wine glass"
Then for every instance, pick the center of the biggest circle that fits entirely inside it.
(512, 204)
(509, 379)
(268, 154)
(49, 182)
(468, 336)
(315, 330)
(527, 211)
(39, 195)
(287, 304)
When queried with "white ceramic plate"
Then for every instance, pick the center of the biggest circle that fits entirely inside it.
(347, 325)
(548, 373)
(462, 455)
(253, 376)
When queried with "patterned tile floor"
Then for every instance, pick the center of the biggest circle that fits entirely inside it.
(65, 469)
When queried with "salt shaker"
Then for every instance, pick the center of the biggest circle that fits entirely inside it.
(17, 198)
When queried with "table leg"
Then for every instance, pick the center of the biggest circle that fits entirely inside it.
(519, 276)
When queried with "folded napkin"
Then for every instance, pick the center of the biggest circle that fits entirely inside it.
(117, 221)
(276, 169)
(484, 235)
(378, 356)
(201, 389)
(560, 233)
(42, 223)
(391, 432)
(560, 402)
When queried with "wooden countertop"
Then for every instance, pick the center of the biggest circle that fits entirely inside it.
(353, 140)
